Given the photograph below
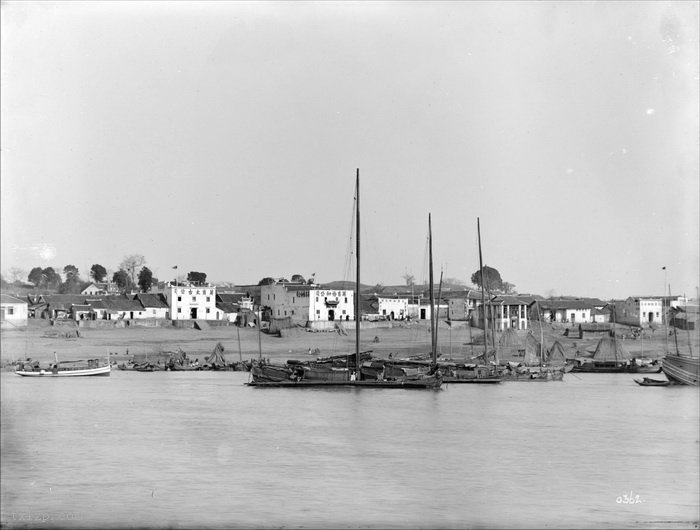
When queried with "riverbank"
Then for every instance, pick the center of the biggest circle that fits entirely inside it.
(40, 340)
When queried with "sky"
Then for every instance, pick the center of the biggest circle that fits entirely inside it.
(225, 137)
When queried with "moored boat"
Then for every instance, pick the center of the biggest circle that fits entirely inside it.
(89, 367)
(648, 381)
(361, 374)
(682, 369)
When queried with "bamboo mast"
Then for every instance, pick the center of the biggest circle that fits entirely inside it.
(433, 344)
(357, 274)
(436, 313)
(483, 286)
(675, 335)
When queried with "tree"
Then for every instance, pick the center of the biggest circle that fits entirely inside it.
(52, 279)
(145, 279)
(122, 279)
(71, 272)
(98, 272)
(410, 279)
(492, 279)
(132, 264)
(298, 278)
(508, 288)
(197, 278)
(266, 281)
(36, 276)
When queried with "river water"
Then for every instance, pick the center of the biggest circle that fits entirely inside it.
(202, 450)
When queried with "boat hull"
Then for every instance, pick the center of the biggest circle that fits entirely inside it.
(427, 383)
(682, 370)
(473, 380)
(78, 372)
(651, 382)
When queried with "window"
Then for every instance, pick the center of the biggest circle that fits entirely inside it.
(10, 310)
(154, 311)
(207, 310)
(208, 299)
(346, 299)
(194, 298)
(179, 298)
(179, 310)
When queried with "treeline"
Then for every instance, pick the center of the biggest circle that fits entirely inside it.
(131, 274)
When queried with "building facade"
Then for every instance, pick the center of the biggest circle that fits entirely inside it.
(640, 311)
(303, 303)
(13, 312)
(393, 308)
(507, 312)
(191, 302)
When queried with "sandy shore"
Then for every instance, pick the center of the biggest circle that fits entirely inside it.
(39, 341)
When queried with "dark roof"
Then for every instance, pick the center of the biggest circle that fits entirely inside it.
(227, 308)
(471, 294)
(230, 298)
(506, 299)
(564, 304)
(117, 303)
(9, 299)
(156, 300)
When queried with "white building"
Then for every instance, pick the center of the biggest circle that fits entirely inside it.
(154, 305)
(331, 304)
(303, 303)
(393, 308)
(640, 311)
(13, 312)
(507, 312)
(192, 302)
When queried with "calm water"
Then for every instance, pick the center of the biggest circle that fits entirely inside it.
(199, 449)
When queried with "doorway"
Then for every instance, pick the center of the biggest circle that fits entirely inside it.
(193, 313)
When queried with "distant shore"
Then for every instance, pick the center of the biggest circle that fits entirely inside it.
(39, 341)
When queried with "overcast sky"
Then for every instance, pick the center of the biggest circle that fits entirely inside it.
(224, 138)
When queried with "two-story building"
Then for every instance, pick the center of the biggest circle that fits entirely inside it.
(187, 301)
(392, 308)
(304, 303)
(507, 312)
(640, 311)
(461, 305)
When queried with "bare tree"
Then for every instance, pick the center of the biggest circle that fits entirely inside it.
(132, 264)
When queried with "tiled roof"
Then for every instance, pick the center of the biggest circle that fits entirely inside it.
(564, 304)
(227, 308)
(152, 300)
(9, 299)
(230, 298)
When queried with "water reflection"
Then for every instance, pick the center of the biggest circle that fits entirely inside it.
(199, 449)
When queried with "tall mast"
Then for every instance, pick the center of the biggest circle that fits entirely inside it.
(357, 273)
(675, 335)
(437, 303)
(483, 299)
(433, 344)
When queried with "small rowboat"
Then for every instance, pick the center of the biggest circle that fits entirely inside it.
(648, 381)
